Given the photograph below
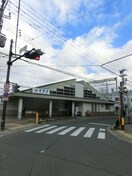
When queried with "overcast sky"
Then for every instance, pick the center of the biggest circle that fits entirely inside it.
(77, 36)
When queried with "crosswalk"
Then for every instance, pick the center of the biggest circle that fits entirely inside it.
(71, 131)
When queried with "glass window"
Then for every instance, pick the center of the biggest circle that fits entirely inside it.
(107, 106)
(116, 98)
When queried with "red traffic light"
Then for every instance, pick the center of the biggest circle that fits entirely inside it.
(33, 54)
(37, 57)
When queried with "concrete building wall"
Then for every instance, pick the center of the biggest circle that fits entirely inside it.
(79, 90)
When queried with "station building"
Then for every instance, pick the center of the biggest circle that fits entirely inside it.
(66, 98)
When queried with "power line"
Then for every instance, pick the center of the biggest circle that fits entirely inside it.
(117, 59)
(61, 38)
(103, 67)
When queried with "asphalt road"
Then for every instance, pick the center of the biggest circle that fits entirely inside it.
(66, 148)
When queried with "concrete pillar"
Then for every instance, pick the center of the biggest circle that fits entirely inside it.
(20, 107)
(50, 108)
(73, 109)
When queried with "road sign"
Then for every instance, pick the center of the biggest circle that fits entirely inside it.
(7, 86)
(6, 94)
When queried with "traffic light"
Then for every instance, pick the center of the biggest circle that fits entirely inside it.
(122, 89)
(125, 91)
(16, 88)
(33, 54)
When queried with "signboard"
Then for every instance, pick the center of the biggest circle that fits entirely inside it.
(41, 91)
(23, 49)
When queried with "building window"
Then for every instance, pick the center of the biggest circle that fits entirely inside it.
(94, 108)
(124, 99)
(107, 107)
(116, 98)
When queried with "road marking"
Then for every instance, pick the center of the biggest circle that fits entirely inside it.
(37, 128)
(99, 124)
(42, 151)
(101, 129)
(66, 131)
(78, 131)
(45, 129)
(55, 130)
(89, 133)
(101, 135)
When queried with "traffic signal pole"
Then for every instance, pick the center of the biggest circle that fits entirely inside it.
(32, 54)
(9, 63)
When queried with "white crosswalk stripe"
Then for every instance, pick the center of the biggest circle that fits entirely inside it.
(55, 130)
(66, 131)
(45, 129)
(37, 128)
(78, 131)
(89, 133)
(101, 135)
(73, 131)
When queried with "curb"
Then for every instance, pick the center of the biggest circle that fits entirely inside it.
(120, 134)
(15, 128)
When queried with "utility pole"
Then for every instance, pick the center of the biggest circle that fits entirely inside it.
(123, 90)
(9, 63)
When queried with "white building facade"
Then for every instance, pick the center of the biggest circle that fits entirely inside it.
(65, 98)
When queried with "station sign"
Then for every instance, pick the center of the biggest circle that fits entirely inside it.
(41, 91)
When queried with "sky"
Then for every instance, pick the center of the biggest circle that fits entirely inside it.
(76, 36)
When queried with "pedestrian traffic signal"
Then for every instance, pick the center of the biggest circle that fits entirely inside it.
(33, 54)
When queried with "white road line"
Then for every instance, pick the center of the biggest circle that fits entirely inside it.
(101, 135)
(101, 129)
(42, 151)
(45, 129)
(99, 124)
(78, 131)
(37, 128)
(55, 130)
(89, 133)
(66, 131)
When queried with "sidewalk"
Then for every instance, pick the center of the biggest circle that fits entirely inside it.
(13, 124)
(125, 134)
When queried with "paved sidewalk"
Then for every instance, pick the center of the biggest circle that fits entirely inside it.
(125, 134)
(11, 125)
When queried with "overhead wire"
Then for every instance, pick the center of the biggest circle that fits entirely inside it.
(81, 15)
(63, 39)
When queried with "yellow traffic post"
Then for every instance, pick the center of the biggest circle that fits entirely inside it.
(37, 118)
(122, 123)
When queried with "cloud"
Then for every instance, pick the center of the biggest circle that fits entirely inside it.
(72, 55)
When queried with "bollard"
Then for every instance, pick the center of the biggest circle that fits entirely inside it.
(37, 118)
(122, 123)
